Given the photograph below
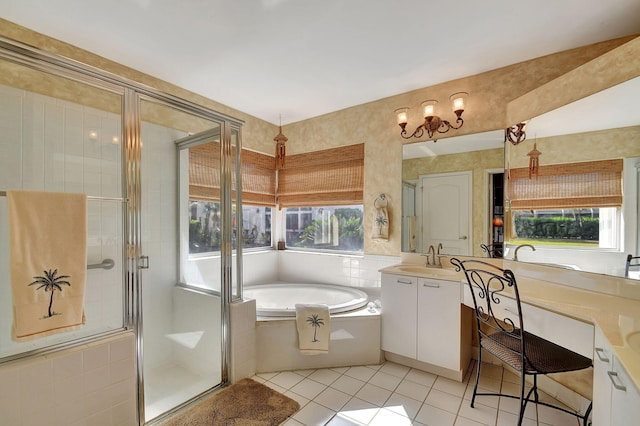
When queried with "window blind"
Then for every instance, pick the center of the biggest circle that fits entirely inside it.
(322, 178)
(258, 175)
(576, 185)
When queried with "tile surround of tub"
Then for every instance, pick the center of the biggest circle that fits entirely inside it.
(354, 271)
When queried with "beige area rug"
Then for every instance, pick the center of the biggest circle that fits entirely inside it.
(245, 403)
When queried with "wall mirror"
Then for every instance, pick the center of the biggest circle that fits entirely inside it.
(600, 126)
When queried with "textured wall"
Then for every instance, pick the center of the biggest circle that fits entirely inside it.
(497, 98)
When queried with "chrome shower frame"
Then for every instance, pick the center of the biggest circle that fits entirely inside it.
(132, 93)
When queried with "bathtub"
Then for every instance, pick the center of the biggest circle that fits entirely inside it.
(355, 328)
(279, 300)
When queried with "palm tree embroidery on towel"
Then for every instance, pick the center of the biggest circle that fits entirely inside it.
(315, 322)
(51, 282)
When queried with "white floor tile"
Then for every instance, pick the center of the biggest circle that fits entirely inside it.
(395, 369)
(332, 398)
(286, 379)
(325, 376)
(443, 400)
(385, 380)
(421, 377)
(348, 385)
(450, 386)
(413, 390)
(360, 373)
(359, 410)
(308, 388)
(482, 414)
(340, 420)
(387, 418)
(313, 414)
(433, 416)
(394, 395)
(373, 394)
(402, 405)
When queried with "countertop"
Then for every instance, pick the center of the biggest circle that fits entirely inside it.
(618, 317)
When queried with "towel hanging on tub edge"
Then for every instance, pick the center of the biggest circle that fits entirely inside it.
(48, 256)
(313, 323)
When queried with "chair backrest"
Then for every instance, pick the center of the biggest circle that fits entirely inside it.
(492, 250)
(489, 285)
(632, 262)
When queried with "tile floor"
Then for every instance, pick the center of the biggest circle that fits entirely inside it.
(395, 395)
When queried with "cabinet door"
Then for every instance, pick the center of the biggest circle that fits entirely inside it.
(439, 323)
(625, 398)
(399, 314)
(602, 364)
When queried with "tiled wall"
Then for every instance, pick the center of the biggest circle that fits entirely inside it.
(87, 385)
(307, 267)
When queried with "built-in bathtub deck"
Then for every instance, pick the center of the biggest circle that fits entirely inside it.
(355, 340)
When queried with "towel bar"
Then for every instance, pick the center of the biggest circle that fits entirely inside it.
(105, 264)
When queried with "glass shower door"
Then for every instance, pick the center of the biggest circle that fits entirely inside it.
(181, 320)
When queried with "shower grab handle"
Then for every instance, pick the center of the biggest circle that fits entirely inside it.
(105, 264)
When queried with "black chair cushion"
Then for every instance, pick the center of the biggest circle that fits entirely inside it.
(541, 356)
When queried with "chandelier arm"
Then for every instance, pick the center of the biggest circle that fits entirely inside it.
(416, 134)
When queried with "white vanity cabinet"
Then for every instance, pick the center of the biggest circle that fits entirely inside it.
(399, 314)
(439, 324)
(421, 320)
(616, 400)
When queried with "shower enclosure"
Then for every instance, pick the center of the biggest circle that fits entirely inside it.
(71, 128)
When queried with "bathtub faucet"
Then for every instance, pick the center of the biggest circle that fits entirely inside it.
(515, 253)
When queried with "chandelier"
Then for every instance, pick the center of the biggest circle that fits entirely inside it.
(432, 123)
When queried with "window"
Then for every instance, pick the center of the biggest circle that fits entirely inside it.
(574, 204)
(325, 228)
(258, 197)
(204, 227)
(583, 228)
(322, 194)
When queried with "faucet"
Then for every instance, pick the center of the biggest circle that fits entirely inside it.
(431, 251)
(439, 248)
(515, 253)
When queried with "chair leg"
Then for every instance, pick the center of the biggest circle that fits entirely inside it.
(523, 401)
(475, 388)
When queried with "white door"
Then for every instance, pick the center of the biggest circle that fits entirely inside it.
(446, 212)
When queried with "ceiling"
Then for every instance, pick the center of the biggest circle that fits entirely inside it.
(290, 60)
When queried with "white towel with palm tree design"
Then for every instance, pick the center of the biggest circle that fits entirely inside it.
(48, 254)
(314, 328)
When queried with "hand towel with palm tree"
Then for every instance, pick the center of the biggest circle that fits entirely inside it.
(48, 252)
(314, 328)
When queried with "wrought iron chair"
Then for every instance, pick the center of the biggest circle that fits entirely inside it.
(492, 250)
(507, 339)
(632, 262)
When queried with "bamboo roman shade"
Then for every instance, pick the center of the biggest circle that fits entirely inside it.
(322, 178)
(562, 186)
(258, 175)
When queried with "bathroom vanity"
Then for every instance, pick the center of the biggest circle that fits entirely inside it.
(424, 325)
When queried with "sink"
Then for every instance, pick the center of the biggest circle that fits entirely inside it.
(633, 340)
(433, 271)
